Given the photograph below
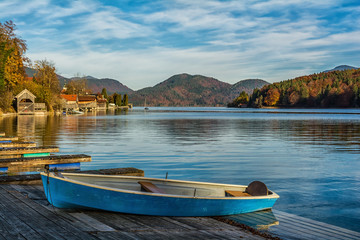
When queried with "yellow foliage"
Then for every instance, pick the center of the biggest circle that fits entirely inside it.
(272, 97)
(14, 70)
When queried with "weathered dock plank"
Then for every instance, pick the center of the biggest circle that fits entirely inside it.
(35, 161)
(289, 226)
(26, 150)
(17, 144)
(316, 228)
(44, 221)
(29, 179)
(116, 171)
(3, 138)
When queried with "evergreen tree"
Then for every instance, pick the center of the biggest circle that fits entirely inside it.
(104, 93)
(118, 100)
(125, 100)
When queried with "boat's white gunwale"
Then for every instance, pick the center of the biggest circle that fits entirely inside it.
(273, 195)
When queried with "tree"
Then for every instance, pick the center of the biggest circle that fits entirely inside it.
(125, 100)
(46, 77)
(12, 56)
(118, 100)
(294, 98)
(272, 97)
(104, 93)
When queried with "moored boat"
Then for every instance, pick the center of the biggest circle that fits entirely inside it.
(152, 196)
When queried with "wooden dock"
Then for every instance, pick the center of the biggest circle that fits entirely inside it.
(289, 226)
(29, 179)
(26, 214)
(18, 152)
(36, 164)
(3, 138)
(34, 161)
(17, 144)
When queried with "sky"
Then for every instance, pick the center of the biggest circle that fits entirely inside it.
(141, 43)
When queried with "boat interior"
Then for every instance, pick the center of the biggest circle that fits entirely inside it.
(170, 187)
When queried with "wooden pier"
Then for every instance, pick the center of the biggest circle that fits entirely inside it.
(289, 226)
(36, 164)
(26, 214)
(17, 144)
(18, 152)
(35, 161)
(30, 179)
(8, 138)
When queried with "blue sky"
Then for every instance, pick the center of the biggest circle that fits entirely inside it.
(141, 43)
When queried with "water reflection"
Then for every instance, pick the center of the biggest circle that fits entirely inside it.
(260, 220)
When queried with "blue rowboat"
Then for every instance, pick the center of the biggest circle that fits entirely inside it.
(151, 196)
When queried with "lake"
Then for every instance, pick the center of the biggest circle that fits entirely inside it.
(311, 158)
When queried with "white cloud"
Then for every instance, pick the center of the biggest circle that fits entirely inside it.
(228, 40)
(10, 9)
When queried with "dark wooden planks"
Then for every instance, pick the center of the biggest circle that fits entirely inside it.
(115, 171)
(30, 179)
(46, 224)
(34, 161)
(311, 228)
(26, 150)
(17, 144)
(3, 138)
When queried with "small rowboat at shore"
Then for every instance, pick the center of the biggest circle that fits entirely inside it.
(152, 196)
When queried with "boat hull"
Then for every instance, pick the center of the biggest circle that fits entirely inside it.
(67, 194)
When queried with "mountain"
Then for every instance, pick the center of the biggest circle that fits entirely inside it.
(184, 90)
(341, 68)
(96, 85)
(192, 90)
(178, 90)
(247, 85)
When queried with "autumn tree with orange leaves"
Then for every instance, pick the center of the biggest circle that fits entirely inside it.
(336, 89)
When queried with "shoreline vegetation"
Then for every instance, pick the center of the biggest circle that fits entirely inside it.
(334, 89)
(43, 83)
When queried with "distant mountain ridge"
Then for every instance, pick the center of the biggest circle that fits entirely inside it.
(96, 85)
(192, 90)
(247, 85)
(178, 90)
(341, 68)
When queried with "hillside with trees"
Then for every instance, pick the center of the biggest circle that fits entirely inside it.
(192, 90)
(184, 90)
(333, 89)
(247, 85)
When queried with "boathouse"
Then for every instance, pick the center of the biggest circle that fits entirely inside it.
(25, 102)
(87, 103)
(70, 101)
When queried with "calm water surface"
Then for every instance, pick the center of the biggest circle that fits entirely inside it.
(311, 158)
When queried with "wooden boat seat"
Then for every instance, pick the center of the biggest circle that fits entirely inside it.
(231, 193)
(149, 187)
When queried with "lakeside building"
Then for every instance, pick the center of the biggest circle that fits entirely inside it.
(74, 102)
(25, 103)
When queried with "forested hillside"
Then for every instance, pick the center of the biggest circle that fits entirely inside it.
(326, 90)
